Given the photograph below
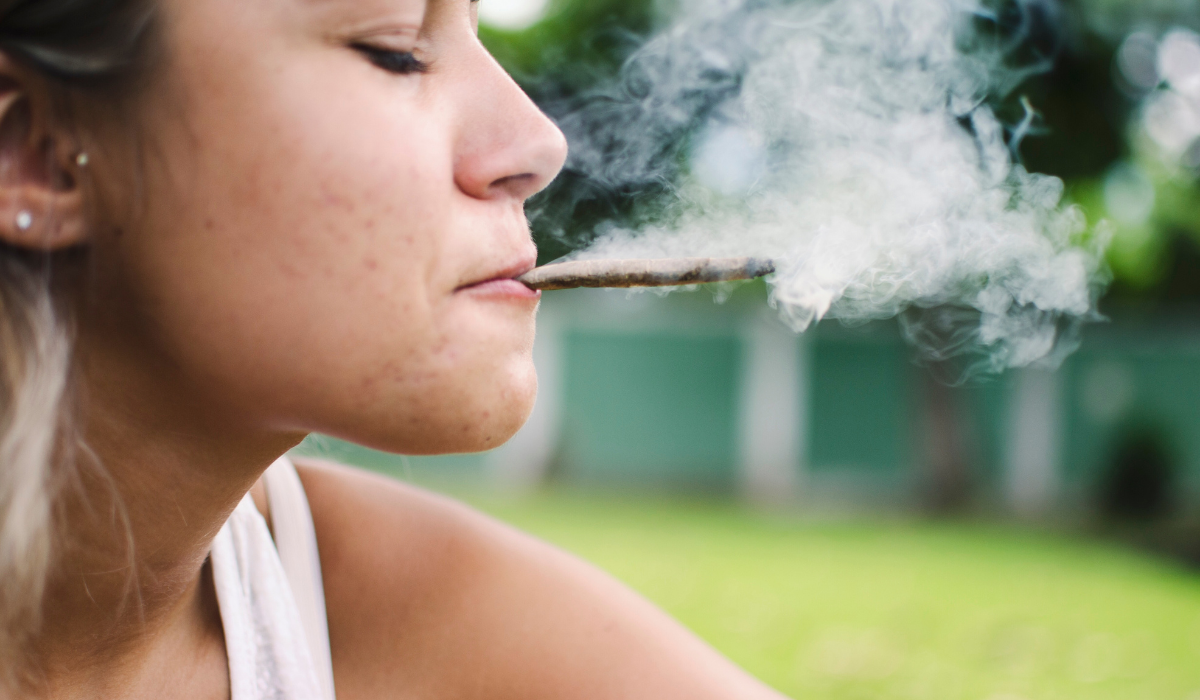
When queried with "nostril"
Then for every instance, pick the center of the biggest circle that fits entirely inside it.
(520, 186)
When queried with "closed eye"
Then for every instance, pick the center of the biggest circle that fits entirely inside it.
(399, 62)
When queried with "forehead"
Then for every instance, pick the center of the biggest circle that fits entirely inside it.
(395, 13)
(365, 7)
(376, 6)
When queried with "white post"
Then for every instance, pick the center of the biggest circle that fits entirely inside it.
(772, 413)
(521, 463)
(1033, 449)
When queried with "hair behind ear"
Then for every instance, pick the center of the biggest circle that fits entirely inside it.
(35, 356)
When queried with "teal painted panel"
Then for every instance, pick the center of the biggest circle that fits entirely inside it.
(1086, 441)
(861, 405)
(984, 402)
(650, 408)
(1114, 389)
(433, 470)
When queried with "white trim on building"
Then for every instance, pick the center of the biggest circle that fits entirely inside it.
(1033, 444)
(772, 415)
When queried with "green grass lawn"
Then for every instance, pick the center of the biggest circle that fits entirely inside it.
(896, 610)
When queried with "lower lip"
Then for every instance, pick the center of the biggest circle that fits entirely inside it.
(507, 288)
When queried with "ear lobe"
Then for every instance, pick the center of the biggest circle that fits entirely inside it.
(41, 204)
(29, 219)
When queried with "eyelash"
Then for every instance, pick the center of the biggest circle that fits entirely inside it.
(399, 62)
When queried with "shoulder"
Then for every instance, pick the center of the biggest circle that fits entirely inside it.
(401, 567)
(420, 588)
(394, 530)
(393, 555)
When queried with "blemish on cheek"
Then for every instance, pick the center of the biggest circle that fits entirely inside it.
(372, 264)
(331, 198)
(289, 270)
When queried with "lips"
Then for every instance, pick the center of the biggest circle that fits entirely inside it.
(503, 281)
(503, 287)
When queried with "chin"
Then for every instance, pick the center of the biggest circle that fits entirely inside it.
(498, 419)
(463, 420)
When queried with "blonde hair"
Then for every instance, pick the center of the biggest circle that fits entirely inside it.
(35, 359)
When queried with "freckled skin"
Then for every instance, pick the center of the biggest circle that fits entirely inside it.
(321, 293)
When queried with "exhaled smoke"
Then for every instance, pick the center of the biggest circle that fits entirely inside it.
(851, 141)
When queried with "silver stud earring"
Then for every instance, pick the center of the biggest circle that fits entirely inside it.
(82, 159)
(24, 220)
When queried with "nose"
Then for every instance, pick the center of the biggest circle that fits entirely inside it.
(506, 147)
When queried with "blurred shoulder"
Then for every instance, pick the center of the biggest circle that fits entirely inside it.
(376, 532)
(401, 565)
(353, 506)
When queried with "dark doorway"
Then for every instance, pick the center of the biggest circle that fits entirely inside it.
(1139, 480)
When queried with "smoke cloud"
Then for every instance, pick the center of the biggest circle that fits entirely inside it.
(853, 142)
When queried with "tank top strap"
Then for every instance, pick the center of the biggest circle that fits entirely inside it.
(265, 641)
(296, 539)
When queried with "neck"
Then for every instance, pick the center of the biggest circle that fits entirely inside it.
(154, 485)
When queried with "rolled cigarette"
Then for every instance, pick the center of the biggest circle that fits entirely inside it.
(666, 272)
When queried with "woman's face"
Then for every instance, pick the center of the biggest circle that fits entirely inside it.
(329, 215)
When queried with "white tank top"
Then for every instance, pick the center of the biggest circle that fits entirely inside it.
(271, 596)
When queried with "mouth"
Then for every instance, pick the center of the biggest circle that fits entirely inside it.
(503, 282)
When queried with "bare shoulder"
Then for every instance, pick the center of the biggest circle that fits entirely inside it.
(398, 563)
(429, 598)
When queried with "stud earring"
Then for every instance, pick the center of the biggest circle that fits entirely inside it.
(82, 159)
(24, 220)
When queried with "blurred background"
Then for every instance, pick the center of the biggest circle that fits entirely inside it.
(842, 518)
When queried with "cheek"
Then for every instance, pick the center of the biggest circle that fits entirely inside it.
(300, 267)
(284, 229)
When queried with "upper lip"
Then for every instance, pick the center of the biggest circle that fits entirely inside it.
(514, 269)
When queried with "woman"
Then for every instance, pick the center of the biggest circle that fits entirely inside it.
(224, 225)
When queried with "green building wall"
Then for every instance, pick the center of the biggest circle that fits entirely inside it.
(650, 408)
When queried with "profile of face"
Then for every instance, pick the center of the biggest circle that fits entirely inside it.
(325, 225)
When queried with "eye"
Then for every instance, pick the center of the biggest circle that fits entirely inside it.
(399, 62)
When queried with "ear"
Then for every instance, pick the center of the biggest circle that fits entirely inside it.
(41, 204)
